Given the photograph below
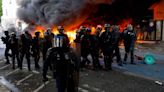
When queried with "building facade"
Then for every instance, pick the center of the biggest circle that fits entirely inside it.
(9, 18)
(158, 14)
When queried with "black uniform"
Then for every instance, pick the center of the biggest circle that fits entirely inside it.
(116, 37)
(6, 41)
(15, 50)
(107, 48)
(85, 49)
(94, 51)
(129, 42)
(26, 40)
(36, 50)
(47, 44)
(64, 65)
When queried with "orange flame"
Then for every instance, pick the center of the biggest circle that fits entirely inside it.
(40, 29)
(124, 24)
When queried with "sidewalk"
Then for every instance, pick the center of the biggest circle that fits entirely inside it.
(153, 72)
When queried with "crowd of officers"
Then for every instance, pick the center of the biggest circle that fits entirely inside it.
(107, 43)
(26, 46)
(61, 59)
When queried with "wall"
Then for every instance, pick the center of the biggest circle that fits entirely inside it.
(9, 18)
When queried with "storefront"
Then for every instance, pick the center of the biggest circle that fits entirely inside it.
(158, 14)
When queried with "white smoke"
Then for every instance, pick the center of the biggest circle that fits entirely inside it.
(69, 13)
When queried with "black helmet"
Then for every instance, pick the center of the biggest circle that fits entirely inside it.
(88, 30)
(37, 33)
(6, 32)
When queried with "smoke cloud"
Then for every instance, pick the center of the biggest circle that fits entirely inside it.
(49, 13)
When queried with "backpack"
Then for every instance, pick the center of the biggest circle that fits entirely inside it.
(62, 63)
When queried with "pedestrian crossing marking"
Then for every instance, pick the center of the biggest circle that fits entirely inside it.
(41, 87)
(91, 88)
(11, 72)
(4, 67)
(18, 83)
(82, 90)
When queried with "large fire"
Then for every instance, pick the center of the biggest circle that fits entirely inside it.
(72, 33)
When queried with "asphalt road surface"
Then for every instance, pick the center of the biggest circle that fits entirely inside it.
(90, 81)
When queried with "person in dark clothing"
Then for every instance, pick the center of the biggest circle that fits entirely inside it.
(116, 37)
(6, 41)
(94, 50)
(62, 34)
(26, 40)
(14, 49)
(48, 37)
(36, 49)
(64, 64)
(85, 47)
(106, 46)
(129, 43)
(79, 34)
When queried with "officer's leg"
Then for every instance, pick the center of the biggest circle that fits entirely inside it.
(18, 58)
(28, 60)
(21, 59)
(117, 53)
(83, 62)
(61, 84)
(110, 60)
(71, 85)
(107, 62)
(38, 57)
(125, 58)
(132, 57)
(7, 55)
(126, 54)
(36, 60)
(95, 58)
(87, 60)
(44, 54)
(13, 58)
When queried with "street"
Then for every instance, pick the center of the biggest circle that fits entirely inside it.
(90, 81)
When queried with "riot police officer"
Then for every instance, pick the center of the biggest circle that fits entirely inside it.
(129, 43)
(36, 49)
(94, 49)
(106, 46)
(26, 40)
(85, 47)
(116, 37)
(48, 37)
(6, 41)
(63, 62)
(79, 34)
(14, 49)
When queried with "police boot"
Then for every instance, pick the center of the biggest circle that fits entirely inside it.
(7, 61)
